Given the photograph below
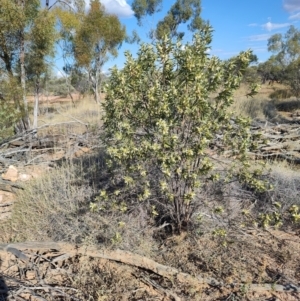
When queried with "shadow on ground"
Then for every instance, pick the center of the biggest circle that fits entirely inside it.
(272, 110)
(3, 289)
(288, 105)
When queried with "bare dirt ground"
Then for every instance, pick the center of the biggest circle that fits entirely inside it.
(43, 99)
(258, 265)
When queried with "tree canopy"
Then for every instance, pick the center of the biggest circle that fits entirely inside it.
(28, 34)
(182, 11)
(286, 59)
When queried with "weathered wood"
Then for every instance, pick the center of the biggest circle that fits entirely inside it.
(144, 263)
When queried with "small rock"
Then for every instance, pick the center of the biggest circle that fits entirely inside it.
(25, 296)
(81, 151)
(11, 174)
(58, 155)
(30, 275)
(35, 171)
(24, 177)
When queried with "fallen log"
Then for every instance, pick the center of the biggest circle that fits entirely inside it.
(142, 262)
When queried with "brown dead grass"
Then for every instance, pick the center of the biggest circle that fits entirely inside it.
(61, 116)
(266, 105)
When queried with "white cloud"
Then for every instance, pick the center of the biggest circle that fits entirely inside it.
(216, 51)
(291, 5)
(117, 7)
(253, 24)
(230, 53)
(269, 26)
(259, 37)
(259, 49)
(60, 74)
(295, 16)
(208, 50)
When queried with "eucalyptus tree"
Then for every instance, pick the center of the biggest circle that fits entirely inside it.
(286, 49)
(43, 35)
(182, 11)
(16, 19)
(98, 37)
(69, 19)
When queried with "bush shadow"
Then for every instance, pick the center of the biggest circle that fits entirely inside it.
(288, 105)
(272, 108)
(3, 287)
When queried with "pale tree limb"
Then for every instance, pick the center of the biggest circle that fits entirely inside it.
(148, 264)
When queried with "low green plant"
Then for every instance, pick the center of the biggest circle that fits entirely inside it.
(11, 107)
(9, 116)
(163, 112)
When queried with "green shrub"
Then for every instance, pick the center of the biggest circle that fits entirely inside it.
(9, 116)
(160, 120)
(11, 107)
(61, 90)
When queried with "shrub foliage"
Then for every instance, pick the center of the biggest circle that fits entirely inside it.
(163, 113)
(11, 108)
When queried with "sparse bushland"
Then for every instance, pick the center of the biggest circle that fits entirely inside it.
(174, 159)
(66, 119)
(226, 239)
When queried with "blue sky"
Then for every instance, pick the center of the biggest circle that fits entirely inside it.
(238, 24)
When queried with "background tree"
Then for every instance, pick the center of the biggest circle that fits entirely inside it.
(143, 8)
(182, 11)
(16, 17)
(43, 35)
(292, 76)
(271, 70)
(286, 49)
(69, 19)
(98, 37)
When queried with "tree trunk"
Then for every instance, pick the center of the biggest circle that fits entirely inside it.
(97, 80)
(25, 118)
(94, 85)
(36, 104)
(69, 89)
(96, 88)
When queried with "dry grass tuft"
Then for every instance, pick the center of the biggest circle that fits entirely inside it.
(281, 94)
(266, 104)
(85, 114)
(286, 182)
(247, 106)
(57, 207)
